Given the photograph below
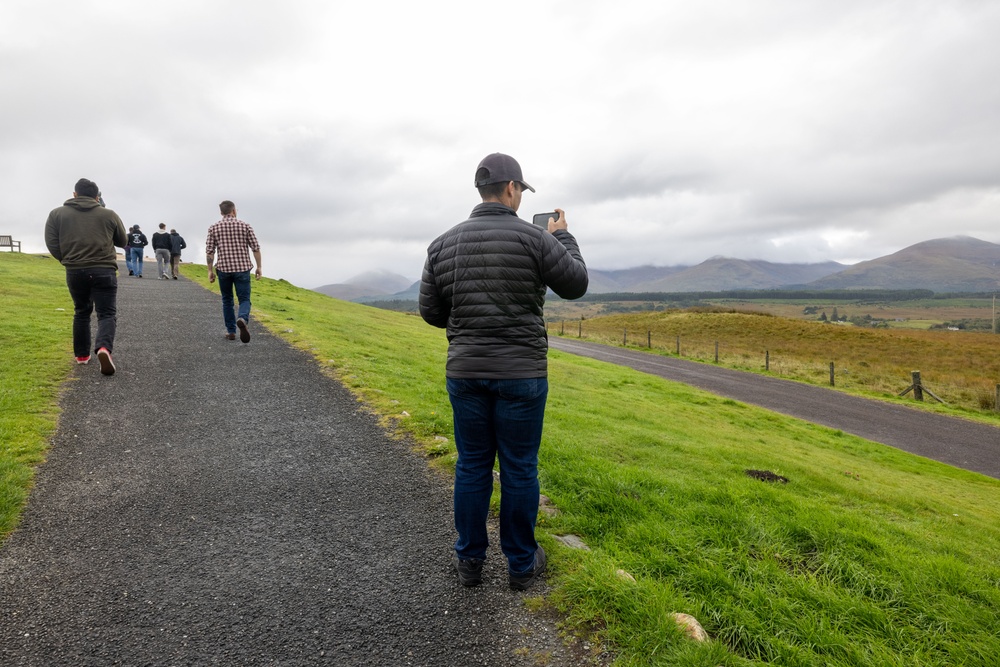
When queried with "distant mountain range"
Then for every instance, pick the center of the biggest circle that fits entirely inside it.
(368, 284)
(717, 274)
(956, 264)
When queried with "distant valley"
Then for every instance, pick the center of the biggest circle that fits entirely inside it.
(956, 264)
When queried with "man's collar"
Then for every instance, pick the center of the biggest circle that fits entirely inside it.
(492, 208)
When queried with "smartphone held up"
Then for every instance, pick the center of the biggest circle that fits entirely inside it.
(542, 219)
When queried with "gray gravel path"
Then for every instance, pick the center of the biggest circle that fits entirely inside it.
(215, 503)
(958, 442)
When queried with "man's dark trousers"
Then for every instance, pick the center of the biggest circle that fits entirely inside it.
(498, 419)
(93, 289)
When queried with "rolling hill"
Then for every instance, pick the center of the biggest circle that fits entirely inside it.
(368, 284)
(956, 264)
(725, 273)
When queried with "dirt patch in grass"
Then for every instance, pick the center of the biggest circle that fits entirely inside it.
(766, 476)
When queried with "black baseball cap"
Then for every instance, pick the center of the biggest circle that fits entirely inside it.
(499, 168)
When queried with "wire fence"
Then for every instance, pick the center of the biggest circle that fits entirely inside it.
(740, 355)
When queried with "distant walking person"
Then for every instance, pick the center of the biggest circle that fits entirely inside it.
(226, 252)
(161, 250)
(485, 281)
(128, 251)
(138, 242)
(82, 234)
(176, 245)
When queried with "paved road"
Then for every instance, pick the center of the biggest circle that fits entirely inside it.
(215, 503)
(959, 442)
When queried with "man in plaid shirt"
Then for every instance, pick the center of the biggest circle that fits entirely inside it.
(226, 252)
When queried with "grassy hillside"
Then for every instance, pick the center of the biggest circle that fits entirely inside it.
(866, 556)
(962, 368)
(37, 348)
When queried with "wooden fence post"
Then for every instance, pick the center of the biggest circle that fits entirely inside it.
(767, 360)
(996, 400)
(678, 346)
(716, 351)
(918, 389)
(649, 339)
(625, 338)
(831, 375)
(562, 327)
(579, 333)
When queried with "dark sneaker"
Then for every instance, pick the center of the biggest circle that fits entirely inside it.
(107, 365)
(524, 580)
(470, 572)
(131, 273)
(244, 332)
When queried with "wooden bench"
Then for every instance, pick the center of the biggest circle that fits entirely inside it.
(9, 242)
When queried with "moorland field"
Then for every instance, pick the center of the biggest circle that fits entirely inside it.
(960, 367)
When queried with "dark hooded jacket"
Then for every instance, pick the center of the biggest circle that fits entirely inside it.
(82, 234)
(485, 281)
(161, 241)
(176, 243)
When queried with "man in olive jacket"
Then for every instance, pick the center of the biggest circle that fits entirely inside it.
(82, 234)
(485, 282)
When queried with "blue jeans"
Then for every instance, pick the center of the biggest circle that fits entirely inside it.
(240, 281)
(498, 418)
(136, 260)
(92, 289)
(128, 259)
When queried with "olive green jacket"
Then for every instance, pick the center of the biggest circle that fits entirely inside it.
(82, 234)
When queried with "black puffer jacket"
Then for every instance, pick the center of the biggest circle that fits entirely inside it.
(485, 280)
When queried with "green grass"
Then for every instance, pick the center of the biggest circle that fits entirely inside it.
(37, 347)
(867, 556)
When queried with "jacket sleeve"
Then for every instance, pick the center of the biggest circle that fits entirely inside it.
(120, 238)
(563, 268)
(52, 236)
(433, 308)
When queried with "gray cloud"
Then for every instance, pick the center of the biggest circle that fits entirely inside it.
(672, 132)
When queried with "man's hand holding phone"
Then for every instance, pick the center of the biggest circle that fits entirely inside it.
(551, 221)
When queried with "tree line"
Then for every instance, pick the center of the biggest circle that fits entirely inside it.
(746, 295)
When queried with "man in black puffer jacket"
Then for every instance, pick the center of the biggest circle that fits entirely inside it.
(485, 281)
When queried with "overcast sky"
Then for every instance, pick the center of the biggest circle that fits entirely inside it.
(348, 133)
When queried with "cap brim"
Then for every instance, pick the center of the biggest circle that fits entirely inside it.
(527, 187)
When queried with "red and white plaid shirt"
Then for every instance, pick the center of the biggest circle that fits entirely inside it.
(230, 240)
